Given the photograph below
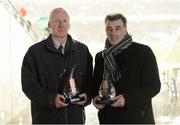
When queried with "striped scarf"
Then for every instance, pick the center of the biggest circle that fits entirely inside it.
(111, 71)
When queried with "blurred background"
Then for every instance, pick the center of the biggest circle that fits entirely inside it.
(152, 22)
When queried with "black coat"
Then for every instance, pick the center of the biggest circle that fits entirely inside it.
(139, 84)
(44, 73)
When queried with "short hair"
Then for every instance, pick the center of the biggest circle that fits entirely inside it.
(116, 16)
(57, 9)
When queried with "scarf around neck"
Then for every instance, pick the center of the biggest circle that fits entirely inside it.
(111, 70)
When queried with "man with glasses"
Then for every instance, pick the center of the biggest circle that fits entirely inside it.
(46, 68)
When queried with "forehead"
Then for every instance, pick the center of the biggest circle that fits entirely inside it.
(114, 23)
(60, 14)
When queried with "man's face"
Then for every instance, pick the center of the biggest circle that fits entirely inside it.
(59, 24)
(115, 31)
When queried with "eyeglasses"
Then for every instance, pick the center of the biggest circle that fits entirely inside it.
(57, 22)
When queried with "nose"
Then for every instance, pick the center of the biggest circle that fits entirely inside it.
(113, 32)
(60, 23)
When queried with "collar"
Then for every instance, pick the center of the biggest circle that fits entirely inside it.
(70, 44)
(108, 44)
(57, 44)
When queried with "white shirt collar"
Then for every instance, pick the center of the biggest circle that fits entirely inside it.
(57, 44)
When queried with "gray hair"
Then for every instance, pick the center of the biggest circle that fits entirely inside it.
(116, 16)
(60, 9)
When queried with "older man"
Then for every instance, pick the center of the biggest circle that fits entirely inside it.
(46, 68)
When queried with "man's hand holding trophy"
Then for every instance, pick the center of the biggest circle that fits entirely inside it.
(106, 94)
(72, 92)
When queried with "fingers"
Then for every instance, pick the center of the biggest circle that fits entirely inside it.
(119, 101)
(83, 96)
(59, 101)
(98, 106)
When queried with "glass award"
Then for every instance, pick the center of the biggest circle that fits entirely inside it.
(106, 92)
(71, 90)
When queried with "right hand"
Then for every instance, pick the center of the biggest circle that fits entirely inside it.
(98, 106)
(82, 103)
(59, 101)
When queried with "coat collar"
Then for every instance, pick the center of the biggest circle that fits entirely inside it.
(70, 44)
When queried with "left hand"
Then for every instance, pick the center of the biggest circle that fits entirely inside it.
(82, 103)
(119, 101)
(98, 106)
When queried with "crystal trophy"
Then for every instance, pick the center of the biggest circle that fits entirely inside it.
(71, 90)
(106, 92)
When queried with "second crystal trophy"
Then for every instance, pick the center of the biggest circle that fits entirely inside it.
(71, 90)
(106, 92)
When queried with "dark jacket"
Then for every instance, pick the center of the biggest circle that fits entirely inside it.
(139, 84)
(44, 74)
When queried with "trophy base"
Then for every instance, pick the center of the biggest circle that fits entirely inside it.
(78, 99)
(104, 101)
(74, 99)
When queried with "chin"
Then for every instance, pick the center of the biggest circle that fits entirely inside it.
(114, 42)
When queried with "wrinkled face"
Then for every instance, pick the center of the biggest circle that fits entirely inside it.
(59, 24)
(115, 31)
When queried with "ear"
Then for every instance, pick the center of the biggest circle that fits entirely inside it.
(49, 25)
(125, 29)
(69, 26)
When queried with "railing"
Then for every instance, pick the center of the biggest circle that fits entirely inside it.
(25, 24)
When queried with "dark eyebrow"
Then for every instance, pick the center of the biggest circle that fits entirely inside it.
(108, 27)
(118, 26)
